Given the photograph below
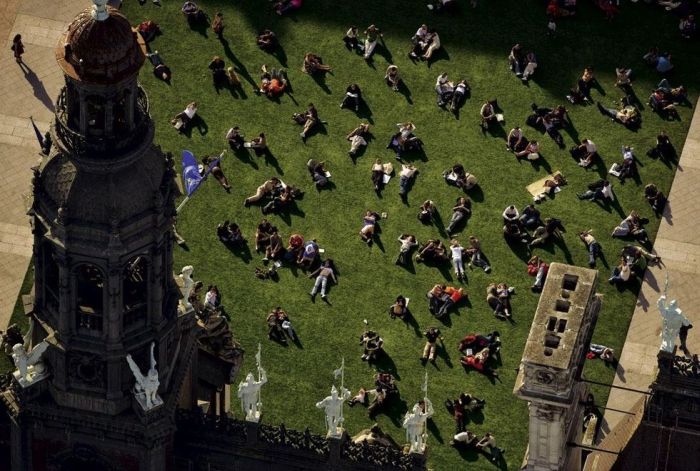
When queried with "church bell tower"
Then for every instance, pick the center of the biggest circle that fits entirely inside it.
(102, 218)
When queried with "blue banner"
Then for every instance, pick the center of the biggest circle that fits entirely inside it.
(190, 172)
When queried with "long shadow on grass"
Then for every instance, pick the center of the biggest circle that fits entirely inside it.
(409, 321)
(320, 79)
(271, 160)
(440, 54)
(406, 92)
(520, 249)
(435, 431)
(244, 156)
(241, 251)
(242, 70)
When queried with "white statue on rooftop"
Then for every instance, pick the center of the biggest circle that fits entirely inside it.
(672, 319)
(333, 406)
(99, 10)
(30, 368)
(146, 387)
(188, 284)
(249, 391)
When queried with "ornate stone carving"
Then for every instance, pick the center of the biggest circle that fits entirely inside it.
(146, 387)
(30, 368)
(86, 369)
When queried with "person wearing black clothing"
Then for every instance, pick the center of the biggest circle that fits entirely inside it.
(431, 337)
(235, 138)
(663, 149)
(310, 120)
(218, 69)
(353, 96)
(655, 198)
(530, 216)
(461, 211)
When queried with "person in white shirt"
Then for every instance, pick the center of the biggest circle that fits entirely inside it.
(531, 151)
(457, 261)
(350, 39)
(183, 120)
(585, 152)
(408, 242)
(444, 89)
(531, 61)
(621, 273)
(515, 138)
(511, 214)
(357, 138)
(405, 176)
(433, 45)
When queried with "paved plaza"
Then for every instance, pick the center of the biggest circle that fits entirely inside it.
(31, 94)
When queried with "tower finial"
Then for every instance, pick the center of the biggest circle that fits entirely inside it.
(99, 10)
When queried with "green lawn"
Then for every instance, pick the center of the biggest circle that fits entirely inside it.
(476, 44)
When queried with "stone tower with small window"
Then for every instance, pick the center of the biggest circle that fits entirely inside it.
(102, 217)
(550, 370)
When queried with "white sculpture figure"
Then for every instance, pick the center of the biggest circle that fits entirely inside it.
(415, 425)
(672, 319)
(249, 394)
(333, 406)
(99, 10)
(30, 369)
(146, 387)
(188, 284)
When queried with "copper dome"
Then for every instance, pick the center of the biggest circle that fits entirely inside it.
(100, 50)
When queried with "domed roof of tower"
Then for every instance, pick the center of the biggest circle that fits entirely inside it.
(100, 46)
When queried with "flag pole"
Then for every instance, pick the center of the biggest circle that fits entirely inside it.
(179, 207)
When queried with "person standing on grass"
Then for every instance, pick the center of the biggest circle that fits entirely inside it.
(17, 48)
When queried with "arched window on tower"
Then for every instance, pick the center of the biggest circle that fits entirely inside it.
(89, 298)
(50, 272)
(135, 292)
(95, 107)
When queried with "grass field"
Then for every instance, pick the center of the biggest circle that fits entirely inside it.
(476, 43)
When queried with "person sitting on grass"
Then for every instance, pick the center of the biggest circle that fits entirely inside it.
(350, 39)
(419, 42)
(488, 114)
(655, 198)
(427, 212)
(274, 327)
(433, 251)
(273, 83)
(478, 361)
(436, 297)
(549, 124)
(229, 233)
(313, 64)
(372, 34)
(530, 66)
(621, 273)
(433, 44)
(585, 153)
(407, 173)
(275, 247)
(392, 77)
(663, 148)
(623, 77)
(266, 189)
(460, 177)
(551, 226)
(408, 243)
(635, 254)
(399, 308)
(582, 92)
(182, 121)
(487, 444)
(309, 119)
(235, 138)
(358, 138)
(319, 173)
(283, 7)
(592, 246)
(262, 235)
(385, 393)
(282, 198)
(218, 71)
(632, 226)
(267, 41)
(606, 354)
(516, 60)
(193, 13)
(369, 224)
(295, 247)
(353, 97)
(378, 172)
(531, 151)
(461, 211)
(530, 217)
(449, 297)
(432, 335)
(498, 299)
(372, 343)
(515, 141)
(476, 342)
(148, 30)
(460, 407)
(258, 144)
(600, 191)
(510, 214)
(537, 268)
(322, 274)
(309, 255)
(514, 232)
